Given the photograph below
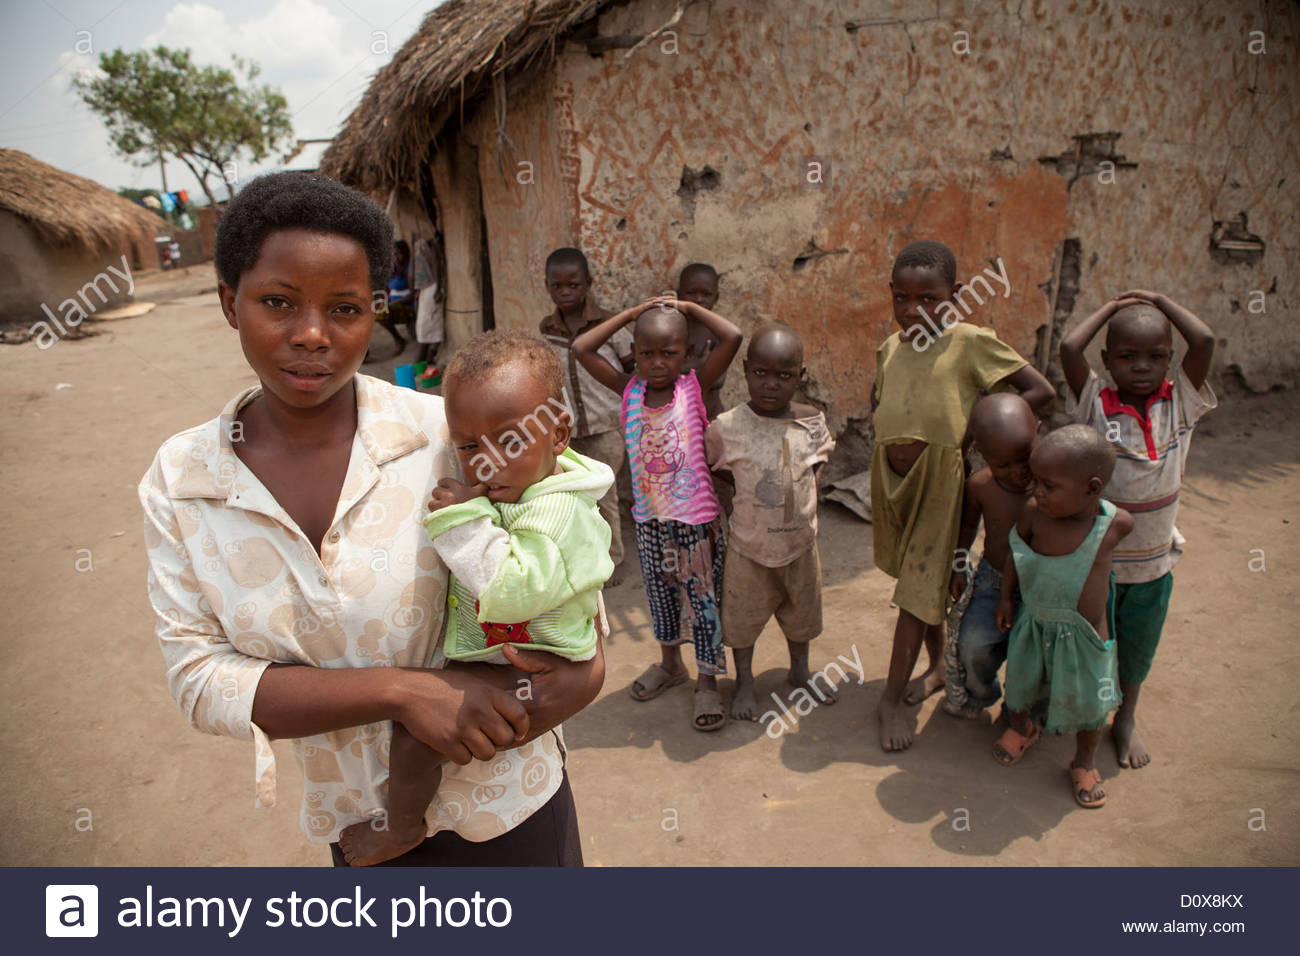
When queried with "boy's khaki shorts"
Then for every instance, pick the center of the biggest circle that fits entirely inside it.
(752, 593)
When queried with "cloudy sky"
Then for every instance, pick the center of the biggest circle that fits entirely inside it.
(321, 54)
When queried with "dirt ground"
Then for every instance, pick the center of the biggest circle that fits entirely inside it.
(101, 769)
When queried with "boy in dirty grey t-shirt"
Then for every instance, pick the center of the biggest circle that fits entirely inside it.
(772, 450)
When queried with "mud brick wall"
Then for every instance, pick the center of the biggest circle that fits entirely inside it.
(1091, 146)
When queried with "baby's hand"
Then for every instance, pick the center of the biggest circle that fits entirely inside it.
(1005, 614)
(453, 492)
(957, 584)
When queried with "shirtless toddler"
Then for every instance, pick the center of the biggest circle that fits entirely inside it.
(1003, 428)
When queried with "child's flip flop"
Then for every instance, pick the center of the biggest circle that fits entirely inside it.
(708, 703)
(1014, 744)
(654, 682)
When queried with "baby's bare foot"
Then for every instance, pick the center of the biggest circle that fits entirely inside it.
(363, 845)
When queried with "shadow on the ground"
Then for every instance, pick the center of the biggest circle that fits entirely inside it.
(617, 720)
(949, 772)
(949, 775)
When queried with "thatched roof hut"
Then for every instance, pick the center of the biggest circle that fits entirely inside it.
(59, 236)
(65, 209)
(461, 48)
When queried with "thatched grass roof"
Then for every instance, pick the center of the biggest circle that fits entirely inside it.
(66, 209)
(449, 62)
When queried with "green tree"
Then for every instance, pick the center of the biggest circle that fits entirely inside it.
(158, 103)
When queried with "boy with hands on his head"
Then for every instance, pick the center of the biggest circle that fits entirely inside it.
(1149, 418)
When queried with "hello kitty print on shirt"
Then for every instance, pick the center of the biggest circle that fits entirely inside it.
(670, 477)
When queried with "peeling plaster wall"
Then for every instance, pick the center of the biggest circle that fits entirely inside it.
(921, 142)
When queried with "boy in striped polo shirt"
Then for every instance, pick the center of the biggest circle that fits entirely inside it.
(1149, 418)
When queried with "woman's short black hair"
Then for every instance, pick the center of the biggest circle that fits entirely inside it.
(300, 201)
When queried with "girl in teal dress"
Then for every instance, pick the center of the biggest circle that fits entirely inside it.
(1062, 641)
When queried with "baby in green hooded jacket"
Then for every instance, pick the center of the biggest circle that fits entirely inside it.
(526, 546)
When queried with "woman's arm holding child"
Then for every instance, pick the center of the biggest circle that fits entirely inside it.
(552, 688)
(222, 690)
(458, 714)
(463, 711)
(727, 334)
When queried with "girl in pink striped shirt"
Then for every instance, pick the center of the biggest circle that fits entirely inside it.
(679, 535)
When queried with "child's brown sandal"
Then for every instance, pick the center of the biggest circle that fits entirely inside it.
(1014, 744)
(1082, 782)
